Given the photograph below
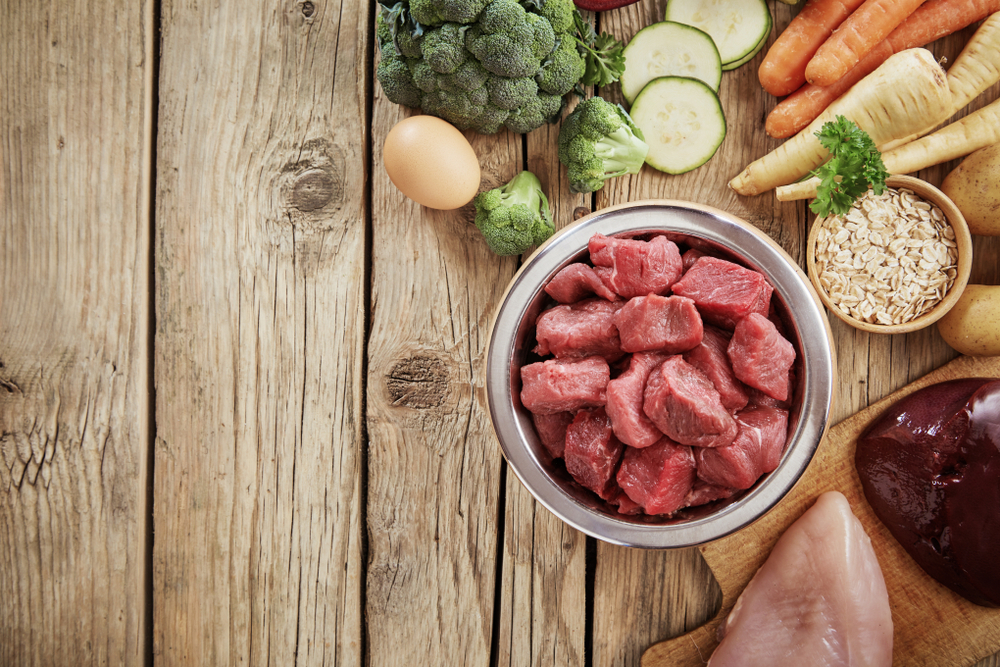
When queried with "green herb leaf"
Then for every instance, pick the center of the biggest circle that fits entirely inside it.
(603, 53)
(854, 166)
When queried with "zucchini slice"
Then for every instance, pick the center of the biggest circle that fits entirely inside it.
(669, 49)
(682, 122)
(739, 27)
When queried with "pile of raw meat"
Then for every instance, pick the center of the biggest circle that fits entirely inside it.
(665, 381)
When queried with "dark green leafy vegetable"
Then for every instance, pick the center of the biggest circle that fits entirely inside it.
(488, 64)
(855, 164)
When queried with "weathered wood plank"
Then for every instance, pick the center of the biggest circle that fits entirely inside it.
(76, 85)
(260, 325)
(434, 465)
(543, 597)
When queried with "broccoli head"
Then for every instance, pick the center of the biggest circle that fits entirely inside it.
(514, 217)
(599, 141)
(502, 62)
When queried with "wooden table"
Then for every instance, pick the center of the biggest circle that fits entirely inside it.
(242, 415)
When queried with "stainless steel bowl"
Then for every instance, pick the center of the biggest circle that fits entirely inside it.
(511, 337)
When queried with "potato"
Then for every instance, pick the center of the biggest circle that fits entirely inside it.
(971, 325)
(974, 186)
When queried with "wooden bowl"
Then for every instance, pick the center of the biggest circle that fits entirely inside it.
(963, 239)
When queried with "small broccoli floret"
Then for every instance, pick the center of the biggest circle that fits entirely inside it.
(469, 76)
(515, 217)
(503, 40)
(543, 37)
(560, 14)
(543, 108)
(599, 141)
(464, 110)
(562, 70)
(490, 119)
(444, 48)
(383, 31)
(512, 93)
(397, 81)
(436, 12)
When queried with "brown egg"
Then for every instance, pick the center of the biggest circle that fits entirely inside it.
(431, 162)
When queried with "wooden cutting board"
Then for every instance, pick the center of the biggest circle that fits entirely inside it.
(931, 624)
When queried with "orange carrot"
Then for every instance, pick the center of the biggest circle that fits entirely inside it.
(931, 21)
(784, 67)
(857, 35)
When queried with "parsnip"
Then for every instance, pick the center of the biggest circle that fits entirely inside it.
(907, 95)
(977, 130)
(978, 65)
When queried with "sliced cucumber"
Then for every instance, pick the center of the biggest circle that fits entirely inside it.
(739, 27)
(682, 122)
(748, 57)
(669, 49)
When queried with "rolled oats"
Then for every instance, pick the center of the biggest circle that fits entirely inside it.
(889, 260)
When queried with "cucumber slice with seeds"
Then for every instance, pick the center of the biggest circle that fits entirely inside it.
(682, 122)
(669, 49)
(739, 27)
(748, 57)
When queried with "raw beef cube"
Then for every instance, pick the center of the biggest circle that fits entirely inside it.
(724, 292)
(625, 395)
(702, 492)
(555, 385)
(575, 282)
(664, 323)
(658, 477)
(592, 452)
(761, 357)
(683, 404)
(582, 329)
(756, 450)
(637, 268)
(551, 431)
(690, 257)
(711, 358)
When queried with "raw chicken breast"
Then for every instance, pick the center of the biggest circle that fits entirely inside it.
(818, 601)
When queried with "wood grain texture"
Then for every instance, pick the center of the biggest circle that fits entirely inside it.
(260, 281)
(434, 464)
(543, 575)
(932, 626)
(75, 138)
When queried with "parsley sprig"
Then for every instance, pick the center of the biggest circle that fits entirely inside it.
(855, 165)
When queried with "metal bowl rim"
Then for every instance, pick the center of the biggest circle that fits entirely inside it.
(714, 226)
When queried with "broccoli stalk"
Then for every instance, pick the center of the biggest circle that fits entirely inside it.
(597, 142)
(514, 217)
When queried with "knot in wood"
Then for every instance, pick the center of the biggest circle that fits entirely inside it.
(418, 382)
(313, 189)
(308, 9)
